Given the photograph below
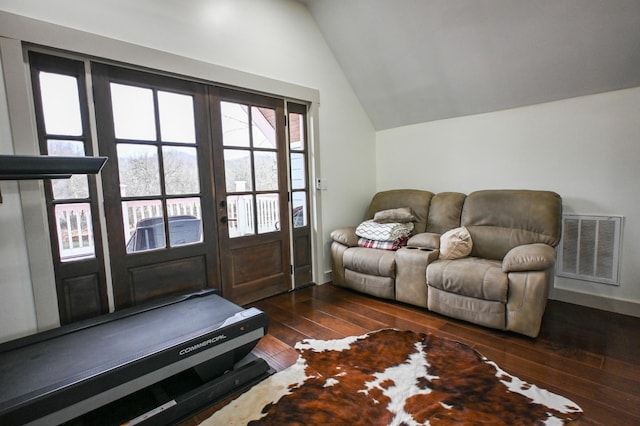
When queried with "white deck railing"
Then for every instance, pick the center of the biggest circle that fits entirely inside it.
(135, 211)
(240, 213)
(75, 233)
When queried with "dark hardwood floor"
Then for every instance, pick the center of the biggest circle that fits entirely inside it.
(587, 355)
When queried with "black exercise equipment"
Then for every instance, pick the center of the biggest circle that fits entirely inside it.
(154, 363)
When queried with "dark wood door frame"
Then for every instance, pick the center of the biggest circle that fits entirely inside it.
(255, 266)
(81, 284)
(136, 277)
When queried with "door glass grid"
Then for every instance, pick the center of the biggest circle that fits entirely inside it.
(158, 170)
(251, 169)
(298, 160)
(60, 100)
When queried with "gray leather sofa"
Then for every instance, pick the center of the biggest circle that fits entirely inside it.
(503, 281)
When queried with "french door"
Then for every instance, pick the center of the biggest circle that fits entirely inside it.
(250, 168)
(197, 195)
(204, 187)
(158, 186)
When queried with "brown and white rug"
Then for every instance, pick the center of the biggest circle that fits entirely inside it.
(392, 377)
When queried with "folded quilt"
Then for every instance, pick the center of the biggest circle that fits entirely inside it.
(384, 245)
(383, 231)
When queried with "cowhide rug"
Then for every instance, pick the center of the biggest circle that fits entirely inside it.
(392, 377)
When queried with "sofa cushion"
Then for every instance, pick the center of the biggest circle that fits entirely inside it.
(416, 199)
(370, 284)
(399, 215)
(455, 243)
(531, 217)
(471, 277)
(482, 312)
(371, 261)
(444, 211)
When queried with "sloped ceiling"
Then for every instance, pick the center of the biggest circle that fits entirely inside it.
(412, 61)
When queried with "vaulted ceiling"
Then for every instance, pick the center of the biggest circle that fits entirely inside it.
(412, 61)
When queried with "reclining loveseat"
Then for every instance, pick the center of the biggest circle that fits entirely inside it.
(486, 257)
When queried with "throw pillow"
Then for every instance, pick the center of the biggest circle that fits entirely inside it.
(455, 243)
(400, 215)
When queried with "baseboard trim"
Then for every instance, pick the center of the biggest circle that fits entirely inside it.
(618, 306)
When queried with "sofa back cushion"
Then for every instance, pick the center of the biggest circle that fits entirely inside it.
(445, 211)
(499, 220)
(415, 199)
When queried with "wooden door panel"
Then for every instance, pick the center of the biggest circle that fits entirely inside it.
(167, 278)
(302, 257)
(82, 297)
(255, 262)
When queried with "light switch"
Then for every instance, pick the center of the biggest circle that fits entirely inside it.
(321, 184)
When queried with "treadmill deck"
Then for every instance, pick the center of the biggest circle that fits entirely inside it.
(65, 366)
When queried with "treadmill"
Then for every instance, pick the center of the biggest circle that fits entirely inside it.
(151, 364)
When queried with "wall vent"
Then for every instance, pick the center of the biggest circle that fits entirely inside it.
(589, 248)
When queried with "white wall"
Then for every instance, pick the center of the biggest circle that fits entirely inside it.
(17, 313)
(275, 39)
(586, 149)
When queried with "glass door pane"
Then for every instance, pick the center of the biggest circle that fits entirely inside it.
(157, 171)
(133, 112)
(76, 187)
(180, 170)
(251, 168)
(238, 171)
(144, 225)
(240, 215)
(268, 212)
(75, 231)
(60, 104)
(177, 122)
(139, 170)
(185, 221)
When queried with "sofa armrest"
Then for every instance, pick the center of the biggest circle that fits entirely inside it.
(529, 257)
(428, 240)
(345, 236)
